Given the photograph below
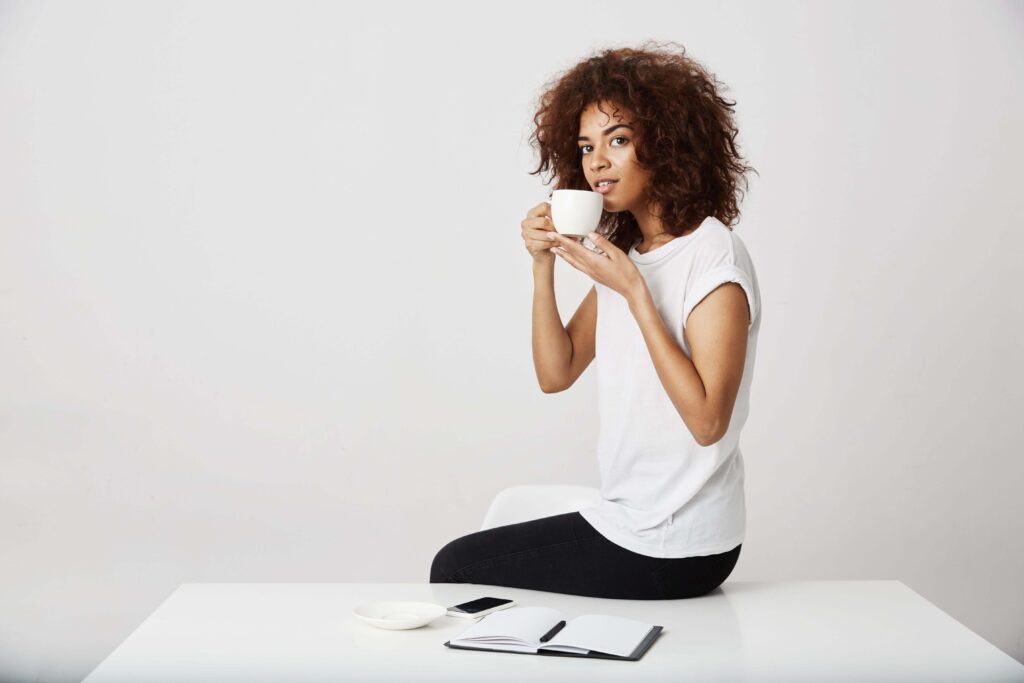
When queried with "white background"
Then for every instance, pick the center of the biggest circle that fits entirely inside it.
(265, 307)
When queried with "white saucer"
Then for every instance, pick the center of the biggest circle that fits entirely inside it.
(399, 615)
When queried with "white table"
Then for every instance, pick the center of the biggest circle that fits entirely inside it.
(744, 631)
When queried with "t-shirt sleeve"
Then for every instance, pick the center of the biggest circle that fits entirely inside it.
(717, 268)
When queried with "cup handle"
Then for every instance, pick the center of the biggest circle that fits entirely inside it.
(551, 217)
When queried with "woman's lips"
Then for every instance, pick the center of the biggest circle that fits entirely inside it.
(605, 189)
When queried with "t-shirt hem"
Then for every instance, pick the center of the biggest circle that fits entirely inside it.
(625, 540)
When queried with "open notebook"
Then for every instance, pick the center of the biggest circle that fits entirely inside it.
(520, 629)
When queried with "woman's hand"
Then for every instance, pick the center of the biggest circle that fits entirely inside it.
(613, 269)
(537, 230)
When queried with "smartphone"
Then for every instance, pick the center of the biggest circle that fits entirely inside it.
(479, 607)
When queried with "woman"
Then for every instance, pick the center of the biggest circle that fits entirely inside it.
(674, 314)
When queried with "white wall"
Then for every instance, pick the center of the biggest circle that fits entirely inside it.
(265, 308)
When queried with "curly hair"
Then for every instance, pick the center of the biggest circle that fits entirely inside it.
(685, 135)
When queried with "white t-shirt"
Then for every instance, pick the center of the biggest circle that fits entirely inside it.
(662, 493)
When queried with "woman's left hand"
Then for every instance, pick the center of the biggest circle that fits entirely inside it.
(614, 269)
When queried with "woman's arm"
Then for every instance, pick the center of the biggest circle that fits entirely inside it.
(552, 348)
(703, 390)
(556, 371)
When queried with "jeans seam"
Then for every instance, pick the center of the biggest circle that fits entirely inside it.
(486, 562)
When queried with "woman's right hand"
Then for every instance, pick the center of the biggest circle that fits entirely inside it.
(538, 233)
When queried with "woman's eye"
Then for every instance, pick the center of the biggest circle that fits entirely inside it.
(583, 148)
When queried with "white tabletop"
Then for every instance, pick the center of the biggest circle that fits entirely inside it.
(745, 631)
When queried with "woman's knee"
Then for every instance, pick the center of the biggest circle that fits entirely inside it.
(446, 564)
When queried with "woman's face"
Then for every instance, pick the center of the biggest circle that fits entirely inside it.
(607, 150)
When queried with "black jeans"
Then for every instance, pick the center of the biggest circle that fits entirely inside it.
(565, 554)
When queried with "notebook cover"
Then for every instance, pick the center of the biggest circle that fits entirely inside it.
(639, 652)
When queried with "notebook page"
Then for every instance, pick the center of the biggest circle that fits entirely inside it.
(601, 633)
(512, 626)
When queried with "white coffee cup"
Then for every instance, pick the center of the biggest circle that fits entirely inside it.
(575, 213)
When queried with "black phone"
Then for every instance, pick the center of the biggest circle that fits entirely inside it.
(479, 607)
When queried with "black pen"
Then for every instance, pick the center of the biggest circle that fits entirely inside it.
(551, 634)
